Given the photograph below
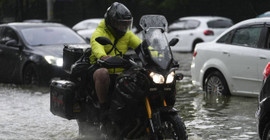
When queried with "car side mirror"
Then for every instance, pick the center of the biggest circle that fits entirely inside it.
(103, 41)
(87, 39)
(173, 42)
(179, 76)
(11, 42)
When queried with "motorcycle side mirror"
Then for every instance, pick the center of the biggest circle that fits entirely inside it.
(103, 41)
(143, 52)
(145, 45)
(12, 42)
(173, 41)
(179, 76)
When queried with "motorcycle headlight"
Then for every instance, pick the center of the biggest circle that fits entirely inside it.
(157, 78)
(170, 78)
(54, 60)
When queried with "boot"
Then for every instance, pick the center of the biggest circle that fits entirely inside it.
(104, 112)
(104, 117)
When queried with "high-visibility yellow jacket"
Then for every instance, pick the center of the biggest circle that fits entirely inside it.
(98, 50)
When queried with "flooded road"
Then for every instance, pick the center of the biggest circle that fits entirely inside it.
(25, 113)
(209, 117)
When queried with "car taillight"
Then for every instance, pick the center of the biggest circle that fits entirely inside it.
(194, 53)
(208, 32)
(266, 71)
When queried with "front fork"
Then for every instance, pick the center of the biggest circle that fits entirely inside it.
(154, 118)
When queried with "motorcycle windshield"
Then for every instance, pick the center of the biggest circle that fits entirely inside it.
(159, 49)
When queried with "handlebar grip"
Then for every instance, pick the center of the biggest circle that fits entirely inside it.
(100, 61)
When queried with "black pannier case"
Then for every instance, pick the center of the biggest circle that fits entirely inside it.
(62, 99)
(71, 53)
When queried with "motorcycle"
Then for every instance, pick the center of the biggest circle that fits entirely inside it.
(141, 97)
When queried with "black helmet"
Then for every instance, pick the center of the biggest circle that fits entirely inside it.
(118, 19)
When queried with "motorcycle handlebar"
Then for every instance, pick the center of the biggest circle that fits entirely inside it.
(114, 62)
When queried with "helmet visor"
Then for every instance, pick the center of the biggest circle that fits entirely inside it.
(123, 25)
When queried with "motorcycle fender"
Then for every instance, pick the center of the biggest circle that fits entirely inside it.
(168, 110)
(264, 107)
(156, 116)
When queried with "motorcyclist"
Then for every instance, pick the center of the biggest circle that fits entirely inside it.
(116, 27)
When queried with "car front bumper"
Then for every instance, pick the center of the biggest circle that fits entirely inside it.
(49, 72)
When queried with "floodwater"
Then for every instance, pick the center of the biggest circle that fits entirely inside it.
(25, 113)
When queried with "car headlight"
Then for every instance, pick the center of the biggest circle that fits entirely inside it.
(54, 60)
(170, 78)
(157, 78)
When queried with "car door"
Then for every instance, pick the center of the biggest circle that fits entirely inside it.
(188, 35)
(240, 56)
(9, 55)
(185, 31)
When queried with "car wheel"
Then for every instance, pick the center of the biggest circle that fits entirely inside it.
(30, 75)
(215, 83)
(266, 132)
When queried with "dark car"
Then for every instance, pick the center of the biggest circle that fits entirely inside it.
(32, 53)
(263, 112)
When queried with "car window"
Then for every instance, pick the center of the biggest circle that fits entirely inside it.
(268, 40)
(247, 36)
(92, 25)
(219, 23)
(184, 25)
(225, 38)
(50, 36)
(83, 25)
(192, 24)
(8, 34)
(180, 25)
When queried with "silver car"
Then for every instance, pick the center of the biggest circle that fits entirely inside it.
(196, 29)
(233, 63)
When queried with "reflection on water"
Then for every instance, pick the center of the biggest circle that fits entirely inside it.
(212, 117)
(25, 115)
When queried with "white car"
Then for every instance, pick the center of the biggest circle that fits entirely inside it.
(86, 27)
(233, 63)
(196, 29)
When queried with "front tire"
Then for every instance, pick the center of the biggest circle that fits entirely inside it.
(215, 83)
(30, 75)
(173, 128)
(266, 132)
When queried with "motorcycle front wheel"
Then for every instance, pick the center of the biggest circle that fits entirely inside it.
(173, 128)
